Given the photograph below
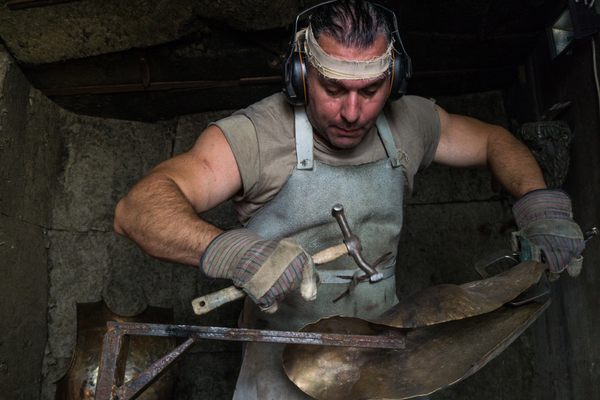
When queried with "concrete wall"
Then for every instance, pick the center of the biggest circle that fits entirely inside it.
(60, 177)
(28, 163)
(88, 262)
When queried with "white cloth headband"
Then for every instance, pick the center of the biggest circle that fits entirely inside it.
(336, 68)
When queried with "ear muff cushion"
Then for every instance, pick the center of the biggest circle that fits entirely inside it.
(295, 85)
(397, 76)
(300, 77)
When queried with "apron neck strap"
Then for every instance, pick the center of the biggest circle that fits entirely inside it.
(304, 140)
(385, 133)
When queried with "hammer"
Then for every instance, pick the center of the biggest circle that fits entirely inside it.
(351, 245)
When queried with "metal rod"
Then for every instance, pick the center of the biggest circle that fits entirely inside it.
(136, 386)
(25, 4)
(111, 371)
(256, 335)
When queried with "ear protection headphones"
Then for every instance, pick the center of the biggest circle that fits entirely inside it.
(295, 62)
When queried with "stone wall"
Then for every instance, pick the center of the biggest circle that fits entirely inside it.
(87, 262)
(28, 163)
(61, 175)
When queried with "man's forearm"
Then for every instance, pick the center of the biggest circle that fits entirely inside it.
(156, 215)
(512, 164)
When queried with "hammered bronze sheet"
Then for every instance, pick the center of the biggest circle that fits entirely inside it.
(435, 357)
(443, 303)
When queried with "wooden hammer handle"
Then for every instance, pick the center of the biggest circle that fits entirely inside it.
(330, 254)
(209, 302)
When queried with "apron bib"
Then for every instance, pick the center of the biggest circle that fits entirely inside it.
(372, 196)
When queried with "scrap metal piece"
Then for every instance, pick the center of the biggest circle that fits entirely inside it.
(443, 303)
(435, 357)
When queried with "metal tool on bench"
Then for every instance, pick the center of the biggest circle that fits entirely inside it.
(351, 246)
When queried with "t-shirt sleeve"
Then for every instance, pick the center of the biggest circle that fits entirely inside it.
(429, 127)
(241, 136)
(418, 125)
(415, 124)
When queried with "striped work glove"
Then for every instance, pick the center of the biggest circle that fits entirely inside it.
(267, 270)
(544, 218)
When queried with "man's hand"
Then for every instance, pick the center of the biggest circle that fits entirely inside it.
(267, 270)
(545, 218)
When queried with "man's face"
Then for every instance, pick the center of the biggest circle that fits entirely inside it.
(343, 111)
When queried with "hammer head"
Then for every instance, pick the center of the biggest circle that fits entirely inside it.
(353, 244)
(375, 277)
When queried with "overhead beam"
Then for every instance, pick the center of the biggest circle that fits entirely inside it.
(25, 4)
(216, 84)
(160, 86)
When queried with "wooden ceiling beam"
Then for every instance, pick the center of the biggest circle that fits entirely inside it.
(25, 4)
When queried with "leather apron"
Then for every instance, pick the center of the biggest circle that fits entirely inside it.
(372, 196)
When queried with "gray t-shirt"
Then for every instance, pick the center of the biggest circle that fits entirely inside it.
(263, 143)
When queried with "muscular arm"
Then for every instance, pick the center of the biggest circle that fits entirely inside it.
(160, 211)
(467, 142)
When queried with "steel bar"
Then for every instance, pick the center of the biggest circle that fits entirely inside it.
(256, 335)
(112, 363)
(135, 386)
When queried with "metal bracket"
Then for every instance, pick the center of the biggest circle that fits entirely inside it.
(111, 373)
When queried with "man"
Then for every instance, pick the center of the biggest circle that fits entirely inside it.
(285, 167)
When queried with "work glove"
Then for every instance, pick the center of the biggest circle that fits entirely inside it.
(267, 270)
(545, 219)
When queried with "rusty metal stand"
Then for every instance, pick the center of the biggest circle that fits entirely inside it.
(111, 374)
(110, 385)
